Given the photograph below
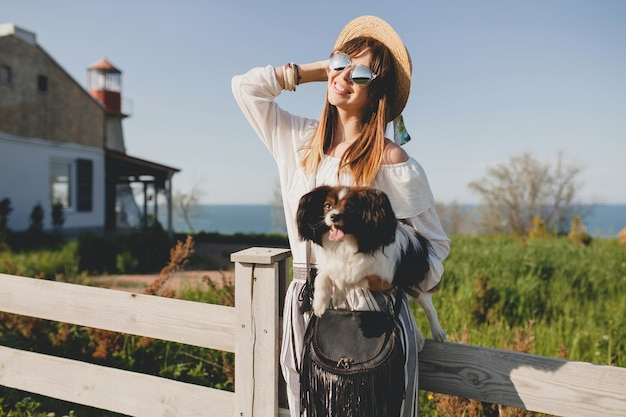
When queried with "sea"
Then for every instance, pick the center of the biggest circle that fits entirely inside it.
(600, 221)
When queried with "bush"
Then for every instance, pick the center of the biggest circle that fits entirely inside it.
(55, 264)
(136, 253)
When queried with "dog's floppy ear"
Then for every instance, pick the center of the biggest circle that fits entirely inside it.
(379, 220)
(310, 214)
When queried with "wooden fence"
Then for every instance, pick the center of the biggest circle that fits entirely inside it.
(251, 330)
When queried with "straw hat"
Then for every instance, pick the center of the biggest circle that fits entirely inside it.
(377, 28)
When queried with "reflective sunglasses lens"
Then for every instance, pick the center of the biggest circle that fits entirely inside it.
(362, 75)
(339, 62)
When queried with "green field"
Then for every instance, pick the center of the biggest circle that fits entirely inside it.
(571, 298)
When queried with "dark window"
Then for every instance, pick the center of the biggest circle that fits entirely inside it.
(42, 83)
(5, 74)
(84, 185)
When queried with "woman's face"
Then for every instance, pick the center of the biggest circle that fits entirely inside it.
(344, 93)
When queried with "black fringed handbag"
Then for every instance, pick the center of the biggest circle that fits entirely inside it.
(352, 365)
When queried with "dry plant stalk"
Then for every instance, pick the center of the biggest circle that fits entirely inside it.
(225, 290)
(524, 339)
(107, 342)
(179, 257)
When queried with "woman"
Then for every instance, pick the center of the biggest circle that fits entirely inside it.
(368, 79)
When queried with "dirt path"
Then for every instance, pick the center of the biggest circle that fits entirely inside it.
(219, 253)
(181, 280)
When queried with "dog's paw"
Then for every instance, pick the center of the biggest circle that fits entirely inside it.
(439, 335)
(338, 298)
(319, 307)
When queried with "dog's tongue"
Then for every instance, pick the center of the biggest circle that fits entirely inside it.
(335, 233)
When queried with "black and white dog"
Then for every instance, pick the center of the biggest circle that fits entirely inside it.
(356, 235)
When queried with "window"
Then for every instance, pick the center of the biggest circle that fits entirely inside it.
(60, 183)
(42, 83)
(5, 74)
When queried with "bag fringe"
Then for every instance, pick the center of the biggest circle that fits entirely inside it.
(377, 393)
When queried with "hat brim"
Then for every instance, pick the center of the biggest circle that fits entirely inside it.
(376, 28)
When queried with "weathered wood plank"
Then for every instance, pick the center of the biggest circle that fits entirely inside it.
(260, 256)
(267, 347)
(244, 340)
(531, 382)
(192, 323)
(110, 389)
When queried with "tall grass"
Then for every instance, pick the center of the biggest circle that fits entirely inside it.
(575, 296)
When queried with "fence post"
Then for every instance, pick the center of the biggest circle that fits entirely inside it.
(261, 277)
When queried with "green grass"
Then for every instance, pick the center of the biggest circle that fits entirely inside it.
(575, 296)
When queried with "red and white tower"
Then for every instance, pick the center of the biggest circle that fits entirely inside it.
(104, 83)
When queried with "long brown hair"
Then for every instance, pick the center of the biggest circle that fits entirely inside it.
(363, 157)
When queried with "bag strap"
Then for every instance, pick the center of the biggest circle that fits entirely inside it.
(306, 292)
(397, 303)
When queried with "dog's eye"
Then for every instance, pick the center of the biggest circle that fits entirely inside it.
(349, 208)
(327, 206)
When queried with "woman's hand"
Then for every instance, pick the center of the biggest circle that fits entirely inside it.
(377, 284)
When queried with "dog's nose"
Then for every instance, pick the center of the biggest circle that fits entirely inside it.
(335, 217)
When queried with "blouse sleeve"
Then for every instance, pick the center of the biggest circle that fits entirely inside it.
(281, 132)
(407, 186)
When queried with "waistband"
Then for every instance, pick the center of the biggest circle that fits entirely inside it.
(300, 273)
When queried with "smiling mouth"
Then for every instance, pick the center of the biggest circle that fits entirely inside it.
(340, 90)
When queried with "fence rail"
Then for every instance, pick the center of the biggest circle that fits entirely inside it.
(251, 330)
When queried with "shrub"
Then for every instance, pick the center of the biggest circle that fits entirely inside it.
(5, 209)
(578, 232)
(58, 217)
(55, 264)
(539, 230)
(139, 252)
(36, 219)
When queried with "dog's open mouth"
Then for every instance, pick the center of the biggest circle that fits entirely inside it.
(335, 233)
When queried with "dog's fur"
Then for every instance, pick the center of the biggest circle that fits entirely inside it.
(356, 235)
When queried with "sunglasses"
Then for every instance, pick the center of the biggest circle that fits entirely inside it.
(360, 74)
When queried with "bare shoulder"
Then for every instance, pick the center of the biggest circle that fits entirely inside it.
(394, 154)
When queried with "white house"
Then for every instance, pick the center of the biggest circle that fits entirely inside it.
(63, 144)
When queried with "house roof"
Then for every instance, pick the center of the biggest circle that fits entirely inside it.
(128, 168)
(9, 29)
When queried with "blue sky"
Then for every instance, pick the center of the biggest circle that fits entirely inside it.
(491, 79)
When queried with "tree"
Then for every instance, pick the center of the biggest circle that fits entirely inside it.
(187, 204)
(455, 219)
(515, 192)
